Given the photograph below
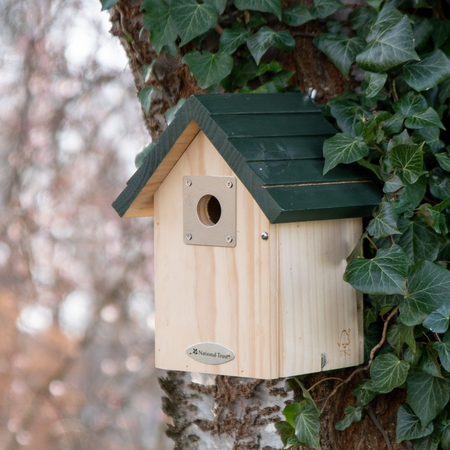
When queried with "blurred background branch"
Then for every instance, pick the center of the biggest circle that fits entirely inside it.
(76, 307)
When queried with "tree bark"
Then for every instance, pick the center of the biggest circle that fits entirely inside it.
(216, 412)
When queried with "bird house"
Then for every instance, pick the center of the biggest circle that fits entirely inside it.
(251, 239)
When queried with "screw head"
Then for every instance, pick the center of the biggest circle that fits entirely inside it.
(229, 239)
(188, 183)
(188, 236)
(264, 235)
(229, 184)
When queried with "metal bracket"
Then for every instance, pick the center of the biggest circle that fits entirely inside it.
(209, 211)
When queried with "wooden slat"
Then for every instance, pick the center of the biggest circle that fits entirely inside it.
(325, 201)
(237, 104)
(213, 294)
(317, 308)
(262, 125)
(304, 171)
(275, 148)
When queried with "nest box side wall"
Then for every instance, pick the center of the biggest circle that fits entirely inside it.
(213, 294)
(320, 314)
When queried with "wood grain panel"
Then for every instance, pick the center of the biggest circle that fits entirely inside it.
(319, 312)
(213, 294)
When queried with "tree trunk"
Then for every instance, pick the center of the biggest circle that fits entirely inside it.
(216, 412)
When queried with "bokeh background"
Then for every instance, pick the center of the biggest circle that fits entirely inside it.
(76, 282)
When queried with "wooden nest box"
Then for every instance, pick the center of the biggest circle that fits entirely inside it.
(251, 239)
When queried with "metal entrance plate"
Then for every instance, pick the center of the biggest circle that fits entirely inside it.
(209, 211)
(210, 353)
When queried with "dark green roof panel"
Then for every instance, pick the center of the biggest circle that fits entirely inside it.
(273, 142)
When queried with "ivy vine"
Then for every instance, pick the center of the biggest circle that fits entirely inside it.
(392, 125)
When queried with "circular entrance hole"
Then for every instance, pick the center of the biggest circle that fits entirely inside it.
(209, 210)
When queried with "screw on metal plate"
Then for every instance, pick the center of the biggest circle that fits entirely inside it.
(229, 184)
(189, 236)
(229, 238)
(188, 182)
(323, 360)
(264, 235)
(312, 93)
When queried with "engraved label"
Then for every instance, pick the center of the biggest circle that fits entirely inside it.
(210, 353)
(344, 343)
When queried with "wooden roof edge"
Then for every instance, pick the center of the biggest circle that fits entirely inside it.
(130, 202)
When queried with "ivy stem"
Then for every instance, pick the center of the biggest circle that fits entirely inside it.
(394, 90)
(380, 428)
(324, 379)
(372, 356)
(373, 244)
(218, 29)
(391, 240)
(437, 337)
(303, 34)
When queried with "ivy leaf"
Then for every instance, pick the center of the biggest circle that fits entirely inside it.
(108, 4)
(340, 49)
(440, 183)
(410, 104)
(271, 6)
(427, 396)
(434, 217)
(343, 148)
(171, 112)
(350, 117)
(428, 286)
(375, 4)
(384, 222)
(408, 158)
(428, 362)
(232, 38)
(428, 72)
(324, 8)
(139, 159)
(290, 411)
(387, 373)
(430, 442)
(444, 90)
(193, 18)
(398, 334)
(431, 136)
(243, 72)
(443, 349)
(427, 118)
(392, 184)
(363, 396)
(265, 38)
(158, 19)
(145, 97)
(384, 274)
(307, 425)
(385, 19)
(390, 48)
(441, 31)
(361, 20)
(418, 240)
(375, 82)
(297, 15)
(209, 68)
(286, 431)
(422, 29)
(352, 414)
(272, 66)
(409, 425)
(444, 160)
(438, 320)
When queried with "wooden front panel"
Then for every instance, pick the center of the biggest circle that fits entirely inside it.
(319, 312)
(213, 294)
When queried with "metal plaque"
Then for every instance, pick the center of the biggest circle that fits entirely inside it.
(209, 211)
(210, 353)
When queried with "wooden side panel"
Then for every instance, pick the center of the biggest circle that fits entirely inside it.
(213, 294)
(319, 312)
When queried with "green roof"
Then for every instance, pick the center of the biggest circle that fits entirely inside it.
(273, 143)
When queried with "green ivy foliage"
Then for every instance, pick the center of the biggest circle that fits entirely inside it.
(393, 125)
